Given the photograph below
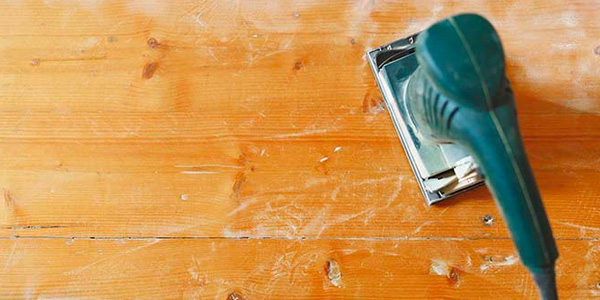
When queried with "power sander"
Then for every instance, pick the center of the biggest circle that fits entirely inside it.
(454, 110)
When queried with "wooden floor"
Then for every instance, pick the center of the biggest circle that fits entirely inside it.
(240, 150)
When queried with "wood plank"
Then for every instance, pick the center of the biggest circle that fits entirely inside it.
(101, 51)
(207, 132)
(283, 269)
(335, 125)
(361, 190)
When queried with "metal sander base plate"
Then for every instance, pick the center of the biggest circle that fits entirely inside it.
(442, 170)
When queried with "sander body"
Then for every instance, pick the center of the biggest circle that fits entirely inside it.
(452, 105)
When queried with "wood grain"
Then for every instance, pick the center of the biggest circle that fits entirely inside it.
(221, 149)
(284, 269)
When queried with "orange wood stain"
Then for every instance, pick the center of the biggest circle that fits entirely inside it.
(241, 150)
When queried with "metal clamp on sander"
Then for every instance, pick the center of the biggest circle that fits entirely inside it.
(454, 110)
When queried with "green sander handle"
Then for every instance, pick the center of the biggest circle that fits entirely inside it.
(468, 100)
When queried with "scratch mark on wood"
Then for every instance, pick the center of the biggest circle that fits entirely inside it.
(565, 46)
(588, 270)
(349, 251)
(199, 172)
(194, 271)
(10, 255)
(374, 180)
(290, 265)
(299, 134)
(241, 207)
(317, 223)
(418, 229)
(204, 8)
(508, 261)
(69, 59)
(214, 57)
(128, 251)
(335, 193)
(395, 193)
(310, 182)
(344, 218)
(580, 227)
(210, 166)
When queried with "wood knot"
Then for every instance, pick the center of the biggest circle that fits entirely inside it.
(352, 41)
(149, 70)
(322, 167)
(9, 202)
(454, 277)
(597, 50)
(443, 268)
(153, 43)
(373, 103)
(298, 65)
(333, 272)
(238, 183)
(236, 296)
